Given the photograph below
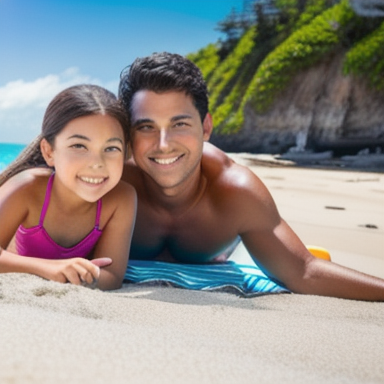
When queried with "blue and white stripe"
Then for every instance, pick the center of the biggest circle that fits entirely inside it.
(247, 280)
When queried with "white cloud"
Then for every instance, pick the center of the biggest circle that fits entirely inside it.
(22, 104)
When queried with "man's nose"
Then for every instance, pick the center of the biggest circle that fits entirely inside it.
(163, 139)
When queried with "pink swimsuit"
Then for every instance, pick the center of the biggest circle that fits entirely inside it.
(36, 242)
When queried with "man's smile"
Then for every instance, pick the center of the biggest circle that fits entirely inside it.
(167, 161)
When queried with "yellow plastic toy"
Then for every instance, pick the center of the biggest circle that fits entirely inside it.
(319, 252)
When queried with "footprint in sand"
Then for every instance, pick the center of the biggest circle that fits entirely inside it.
(43, 291)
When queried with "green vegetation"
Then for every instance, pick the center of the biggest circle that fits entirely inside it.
(305, 47)
(207, 59)
(263, 52)
(313, 9)
(229, 68)
(366, 58)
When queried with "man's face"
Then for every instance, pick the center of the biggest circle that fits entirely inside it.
(167, 137)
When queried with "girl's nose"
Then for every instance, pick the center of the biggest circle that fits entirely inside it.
(97, 165)
(97, 162)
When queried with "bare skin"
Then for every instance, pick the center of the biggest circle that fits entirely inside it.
(88, 157)
(194, 201)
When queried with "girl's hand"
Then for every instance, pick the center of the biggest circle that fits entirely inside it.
(78, 271)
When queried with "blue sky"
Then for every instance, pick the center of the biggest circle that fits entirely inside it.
(47, 45)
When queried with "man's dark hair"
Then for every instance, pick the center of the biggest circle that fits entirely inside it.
(161, 72)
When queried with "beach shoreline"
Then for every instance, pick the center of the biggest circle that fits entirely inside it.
(372, 163)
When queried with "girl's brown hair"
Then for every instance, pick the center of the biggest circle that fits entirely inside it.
(73, 102)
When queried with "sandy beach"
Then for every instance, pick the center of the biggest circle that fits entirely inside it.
(59, 333)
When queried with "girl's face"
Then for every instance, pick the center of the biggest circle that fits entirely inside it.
(88, 156)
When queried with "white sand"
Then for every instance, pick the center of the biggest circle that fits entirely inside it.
(56, 333)
(310, 201)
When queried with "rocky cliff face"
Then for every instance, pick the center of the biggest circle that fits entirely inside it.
(321, 109)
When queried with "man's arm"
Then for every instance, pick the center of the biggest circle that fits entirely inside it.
(281, 254)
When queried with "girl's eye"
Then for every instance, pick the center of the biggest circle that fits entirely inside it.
(78, 146)
(113, 149)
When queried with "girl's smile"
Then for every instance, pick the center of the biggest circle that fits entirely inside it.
(89, 149)
(92, 180)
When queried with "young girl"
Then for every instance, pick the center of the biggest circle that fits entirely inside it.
(62, 200)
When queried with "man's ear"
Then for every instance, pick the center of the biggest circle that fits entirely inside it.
(47, 152)
(207, 127)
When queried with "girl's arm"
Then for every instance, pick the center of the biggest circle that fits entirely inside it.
(77, 271)
(115, 241)
(18, 197)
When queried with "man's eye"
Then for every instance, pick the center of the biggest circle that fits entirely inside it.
(180, 124)
(144, 128)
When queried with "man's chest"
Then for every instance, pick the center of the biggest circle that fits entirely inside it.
(197, 236)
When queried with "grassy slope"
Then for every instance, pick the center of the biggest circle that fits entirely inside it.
(256, 71)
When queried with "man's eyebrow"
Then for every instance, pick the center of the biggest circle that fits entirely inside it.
(173, 119)
(180, 117)
(142, 121)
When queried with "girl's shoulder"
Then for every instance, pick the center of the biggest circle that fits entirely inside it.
(30, 182)
(124, 193)
(22, 196)
(120, 204)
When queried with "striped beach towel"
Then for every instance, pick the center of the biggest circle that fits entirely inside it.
(247, 280)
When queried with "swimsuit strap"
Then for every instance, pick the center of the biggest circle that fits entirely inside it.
(47, 198)
(98, 213)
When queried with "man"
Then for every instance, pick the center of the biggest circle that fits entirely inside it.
(194, 202)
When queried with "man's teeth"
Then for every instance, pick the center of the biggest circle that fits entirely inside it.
(166, 161)
(92, 180)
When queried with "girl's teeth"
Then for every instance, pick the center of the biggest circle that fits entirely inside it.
(92, 180)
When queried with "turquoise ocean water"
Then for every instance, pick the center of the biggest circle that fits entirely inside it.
(8, 153)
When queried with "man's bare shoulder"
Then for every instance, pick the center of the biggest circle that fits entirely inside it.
(214, 156)
(234, 185)
(219, 167)
(238, 191)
